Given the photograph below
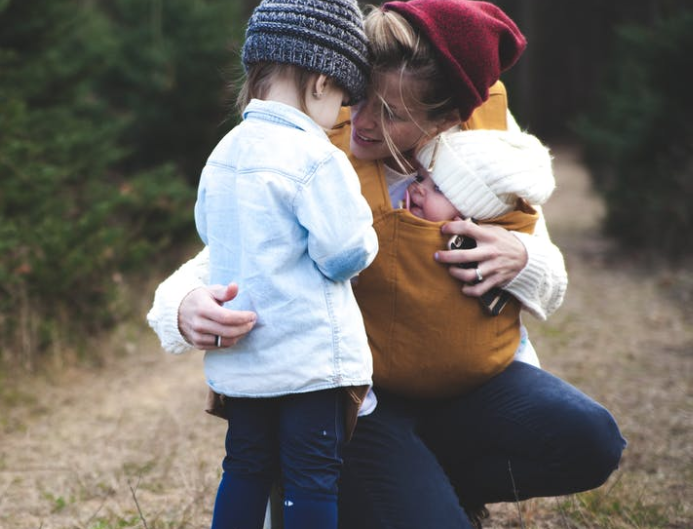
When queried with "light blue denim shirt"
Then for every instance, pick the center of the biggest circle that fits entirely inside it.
(282, 213)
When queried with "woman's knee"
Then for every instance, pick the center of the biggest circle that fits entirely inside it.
(598, 446)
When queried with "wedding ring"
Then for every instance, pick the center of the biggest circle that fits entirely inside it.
(479, 277)
(217, 340)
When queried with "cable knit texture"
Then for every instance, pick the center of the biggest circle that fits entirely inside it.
(323, 36)
(163, 316)
(484, 172)
(541, 284)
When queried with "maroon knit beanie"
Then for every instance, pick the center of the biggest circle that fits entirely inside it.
(475, 40)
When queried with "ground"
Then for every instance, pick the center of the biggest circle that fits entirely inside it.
(126, 444)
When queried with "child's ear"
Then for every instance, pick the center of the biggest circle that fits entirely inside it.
(319, 84)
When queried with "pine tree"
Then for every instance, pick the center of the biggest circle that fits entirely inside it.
(72, 218)
(638, 139)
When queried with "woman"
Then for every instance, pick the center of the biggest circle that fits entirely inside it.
(524, 433)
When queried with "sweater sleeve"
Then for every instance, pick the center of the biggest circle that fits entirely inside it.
(541, 284)
(163, 315)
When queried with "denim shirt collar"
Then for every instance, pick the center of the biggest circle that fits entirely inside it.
(282, 114)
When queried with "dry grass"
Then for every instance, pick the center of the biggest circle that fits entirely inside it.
(127, 445)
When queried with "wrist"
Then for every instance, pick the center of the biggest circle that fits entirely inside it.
(526, 286)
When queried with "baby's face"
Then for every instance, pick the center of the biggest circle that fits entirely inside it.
(427, 201)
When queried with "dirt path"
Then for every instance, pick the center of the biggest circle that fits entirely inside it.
(138, 423)
(127, 445)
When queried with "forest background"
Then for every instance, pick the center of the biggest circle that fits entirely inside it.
(108, 109)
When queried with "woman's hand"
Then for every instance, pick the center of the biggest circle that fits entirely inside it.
(201, 318)
(499, 254)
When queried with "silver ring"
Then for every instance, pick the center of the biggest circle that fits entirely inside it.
(479, 277)
(217, 340)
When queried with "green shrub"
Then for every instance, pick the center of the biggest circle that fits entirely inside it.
(103, 109)
(638, 140)
(168, 74)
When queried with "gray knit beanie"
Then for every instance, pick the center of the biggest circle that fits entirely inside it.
(323, 36)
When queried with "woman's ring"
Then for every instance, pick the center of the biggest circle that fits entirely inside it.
(479, 277)
(217, 340)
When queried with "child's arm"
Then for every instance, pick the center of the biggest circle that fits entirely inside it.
(341, 238)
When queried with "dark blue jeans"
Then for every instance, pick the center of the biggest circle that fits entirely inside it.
(523, 434)
(296, 437)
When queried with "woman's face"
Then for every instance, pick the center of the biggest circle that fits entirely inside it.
(392, 113)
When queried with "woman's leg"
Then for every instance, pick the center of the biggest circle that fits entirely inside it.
(390, 479)
(311, 441)
(250, 464)
(525, 433)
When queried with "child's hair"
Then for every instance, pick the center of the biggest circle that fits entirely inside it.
(260, 76)
(397, 47)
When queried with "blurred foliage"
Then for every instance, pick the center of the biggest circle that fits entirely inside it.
(569, 45)
(107, 110)
(638, 138)
(168, 75)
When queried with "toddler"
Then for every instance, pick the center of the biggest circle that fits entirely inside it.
(281, 211)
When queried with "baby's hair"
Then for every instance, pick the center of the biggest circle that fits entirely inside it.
(261, 75)
(397, 47)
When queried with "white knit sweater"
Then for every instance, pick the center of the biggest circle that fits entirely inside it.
(540, 286)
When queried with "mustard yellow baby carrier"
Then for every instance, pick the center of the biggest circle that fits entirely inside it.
(427, 338)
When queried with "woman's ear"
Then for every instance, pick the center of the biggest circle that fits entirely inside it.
(448, 121)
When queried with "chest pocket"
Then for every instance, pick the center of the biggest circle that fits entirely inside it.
(427, 338)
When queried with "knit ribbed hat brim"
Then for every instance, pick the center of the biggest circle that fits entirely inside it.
(475, 42)
(484, 172)
(323, 36)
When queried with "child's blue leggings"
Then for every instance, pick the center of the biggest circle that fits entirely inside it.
(298, 437)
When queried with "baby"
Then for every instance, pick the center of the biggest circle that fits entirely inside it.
(482, 175)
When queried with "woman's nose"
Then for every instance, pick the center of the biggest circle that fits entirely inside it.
(363, 114)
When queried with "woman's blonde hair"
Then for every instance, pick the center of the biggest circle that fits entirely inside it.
(398, 47)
